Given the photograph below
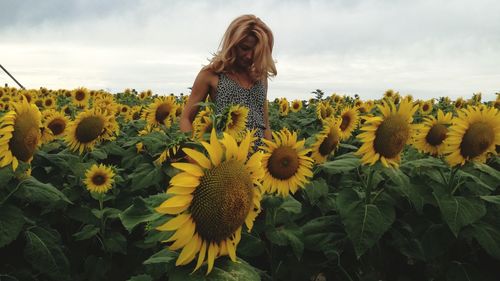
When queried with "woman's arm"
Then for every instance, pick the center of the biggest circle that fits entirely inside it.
(199, 92)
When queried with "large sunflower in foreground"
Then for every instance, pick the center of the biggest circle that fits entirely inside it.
(89, 128)
(19, 134)
(349, 122)
(212, 198)
(385, 136)
(327, 141)
(54, 124)
(161, 112)
(285, 163)
(99, 178)
(431, 136)
(473, 135)
(236, 121)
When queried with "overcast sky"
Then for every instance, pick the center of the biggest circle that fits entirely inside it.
(424, 48)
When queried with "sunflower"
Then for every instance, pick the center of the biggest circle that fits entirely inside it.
(236, 121)
(285, 163)
(327, 141)
(459, 103)
(426, 107)
(212, 199)
(358, 103)
(296, 106)
(49, 103)
(161, 112)
(54, 124)
(366, 107)
(473, 134)
(80, 97)
(90, 127)
(105, 102)
(99, 178)
(431, 136)
(350, 119)
(284, 107)
(384, 137)
(202, 126)
(389, 94)
(324, 111)
(19, 134)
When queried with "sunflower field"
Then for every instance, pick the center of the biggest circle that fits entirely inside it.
(101, 186)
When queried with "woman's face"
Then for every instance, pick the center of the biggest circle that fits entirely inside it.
(245, 51)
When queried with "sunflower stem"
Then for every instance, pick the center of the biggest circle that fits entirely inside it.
(368, 190)
(451, 181)
(101, 205)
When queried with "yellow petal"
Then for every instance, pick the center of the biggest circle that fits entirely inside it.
(201, 255)
(185, 179)
(175, 205)
(174, 223)
(189, 168)
(199, 157)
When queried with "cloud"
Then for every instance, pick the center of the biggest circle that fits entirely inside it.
(425, 48)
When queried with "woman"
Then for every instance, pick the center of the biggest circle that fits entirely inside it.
(237, 74)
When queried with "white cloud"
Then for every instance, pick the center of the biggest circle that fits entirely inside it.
(426, 48)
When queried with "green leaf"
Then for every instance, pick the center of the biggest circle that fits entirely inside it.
(287, 235)
(43, 252)
(142, 277)
(145, 175)
(315, 190)
(11, 223)
(224, 270)
(476, 180)
(436, 240)
(34, 191)
(99, 154)
(488, 170)
(495, 199)
(459, 211)
(343, 164)
(115, 242)
(138, 213)
(250, 245)
(87, 232)
(488, 237)
(6, 174)
(163, 256)
(364, 223)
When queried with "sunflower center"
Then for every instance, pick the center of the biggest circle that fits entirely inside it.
(25, 137)
(222, 201)
(477, 139)
(162, 112)
(391, 136)
(57, 126)
(329, 144)
(89, 129)
(283, 163)
(79, 95)
(98, 179)
(425, 107)
(345, 122)
(235, 116)
(436, 134)
(48, 102)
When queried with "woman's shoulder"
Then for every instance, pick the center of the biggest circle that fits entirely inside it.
(208, 74)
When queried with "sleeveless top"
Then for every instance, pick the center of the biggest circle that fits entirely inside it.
(229, 92)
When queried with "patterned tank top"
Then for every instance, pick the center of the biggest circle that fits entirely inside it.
(229, 92)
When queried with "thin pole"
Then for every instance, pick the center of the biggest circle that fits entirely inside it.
(12, 77)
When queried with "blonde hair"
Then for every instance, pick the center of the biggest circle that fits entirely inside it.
(241, 27)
